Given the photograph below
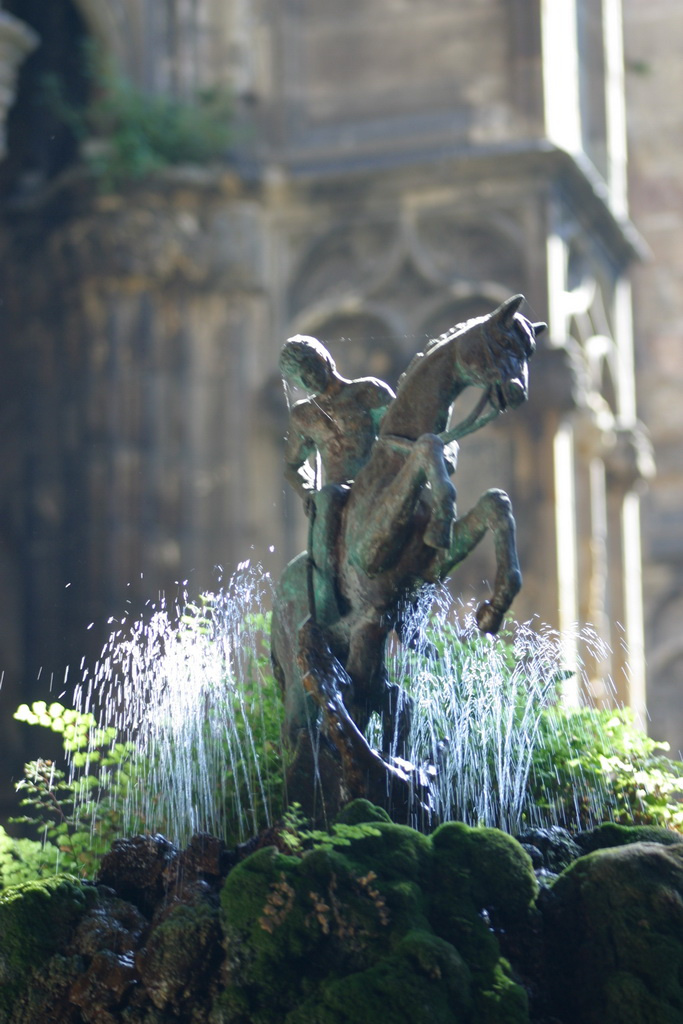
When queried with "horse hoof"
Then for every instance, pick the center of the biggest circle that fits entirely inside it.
(488, 618)
(439, 533)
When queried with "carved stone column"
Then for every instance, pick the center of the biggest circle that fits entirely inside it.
(629, 466)
(17, 40)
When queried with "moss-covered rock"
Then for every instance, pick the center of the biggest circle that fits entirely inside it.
(289, 924)
(47, 997)
(377, 924)
(424, 981)
(610, 834)
(403, 853)
(387, 928)
(482, 876)
(614, 931)
(486, 866)
(36, 919)
(179, 962)
(72, 952)
(360, 812)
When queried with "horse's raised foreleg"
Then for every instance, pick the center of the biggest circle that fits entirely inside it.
(384, 526)
(492, 512)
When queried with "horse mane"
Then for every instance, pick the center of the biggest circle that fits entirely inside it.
(429, 347)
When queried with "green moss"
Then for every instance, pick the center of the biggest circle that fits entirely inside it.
(629, 1001)
(181, 956)
(46, 997)
(290, 923)
(614, 929)
(402, 852)
(610, 835)
(502, 1001)
(388, 928)
(36, 918)
(360, 812)
(496, 872)
(424, 981)
(477, 869)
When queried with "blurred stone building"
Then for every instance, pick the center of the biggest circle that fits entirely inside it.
(654, 80)
(394, 167)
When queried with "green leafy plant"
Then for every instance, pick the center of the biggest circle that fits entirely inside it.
(592, 765)
(22, 860)
(76, 815)
(297, 836)
(138, 133)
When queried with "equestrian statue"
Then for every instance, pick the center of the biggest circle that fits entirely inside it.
(374, 471)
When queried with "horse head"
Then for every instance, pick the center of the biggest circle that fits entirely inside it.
(493, 353)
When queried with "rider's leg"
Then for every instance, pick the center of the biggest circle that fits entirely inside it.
(441, 495)
(397, 714)
(381, 536)
(372, 691)
(365, 666)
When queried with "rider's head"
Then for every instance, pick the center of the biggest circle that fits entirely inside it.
(306, 363)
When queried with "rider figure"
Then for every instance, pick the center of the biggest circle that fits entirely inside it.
(339, 421)
(337, 427)
(339, 424)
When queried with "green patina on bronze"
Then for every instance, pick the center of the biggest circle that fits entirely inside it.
(383, 523)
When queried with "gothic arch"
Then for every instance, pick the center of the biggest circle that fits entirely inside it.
(463, 302)
(343, 261)
(41, 142)
(454, 248)
(361, 340)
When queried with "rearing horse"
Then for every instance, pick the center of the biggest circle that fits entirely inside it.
(396, 528)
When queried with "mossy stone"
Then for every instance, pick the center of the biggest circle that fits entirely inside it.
(361, 812)
(291, 923)
(385, 929)
(501, 1000)
(477, 869)
(486, 868)
(181, 956)
(424, 981)
(614, 928)
(401, 852)
(36, 919)
(610, 834)
(46, 996)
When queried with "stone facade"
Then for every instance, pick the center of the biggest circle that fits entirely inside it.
(397, 168)
(653, 41)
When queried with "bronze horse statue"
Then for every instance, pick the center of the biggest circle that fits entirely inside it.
(376, 543)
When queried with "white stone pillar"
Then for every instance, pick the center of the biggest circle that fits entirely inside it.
(16, 42)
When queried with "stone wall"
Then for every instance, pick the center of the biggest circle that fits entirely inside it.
(396, 168)
(654, 39)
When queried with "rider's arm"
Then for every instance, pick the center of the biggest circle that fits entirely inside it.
(298, 472)
(381, 398)
(450, 455)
